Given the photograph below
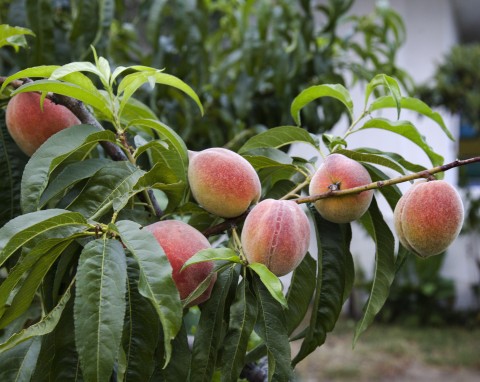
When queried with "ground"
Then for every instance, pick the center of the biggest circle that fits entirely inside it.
(395, 354)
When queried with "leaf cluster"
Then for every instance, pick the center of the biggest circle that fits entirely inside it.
(99, 288)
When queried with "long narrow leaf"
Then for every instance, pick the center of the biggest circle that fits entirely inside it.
(67, 146)
(330, 284)
(272, 328)
(208, 338)
(100, 307)
(384, 266)
(24, 228)
(155, 283)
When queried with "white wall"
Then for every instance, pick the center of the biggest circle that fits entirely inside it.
(431, 32)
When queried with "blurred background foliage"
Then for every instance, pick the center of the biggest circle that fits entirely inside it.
(247, 59)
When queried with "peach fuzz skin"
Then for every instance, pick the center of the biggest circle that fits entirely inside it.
(276, 233)
(428, 217)
(223, 182)
(180, 242)
(29, 126)
(342, 172)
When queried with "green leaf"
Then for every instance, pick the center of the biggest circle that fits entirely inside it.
(178, 368)
(131, 82)
(37, 71)
(413, 167)
(109, 183)
(67, 146)
(14, 36)
(384, 266)
(213, 254)
(392, 86)
(88, 96)
(21, 230)
(379, 159)
(141, 329)
(23, 265)
(30, 284)
(312, 93)
(100, 307)
(176, 156)
(18, 364)
(71, 175)
(300, 292)
(413, 104)
(391, 193)
(44, 326)
(243, 314)
(278, 137)
(271, 282)
(209, 336)
(12, 163)
(330, 283)
(155, 283)
(407, 130)
(271, 326)
(75, 67)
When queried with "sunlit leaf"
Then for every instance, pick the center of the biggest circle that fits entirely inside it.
(312, 93)
(271, 282)
(278, 137)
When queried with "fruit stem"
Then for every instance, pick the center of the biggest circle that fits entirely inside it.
(299, 187)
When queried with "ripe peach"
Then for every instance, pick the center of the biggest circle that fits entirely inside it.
(428, 217)
(276, 233)
(223, 182)
(29, 126)
(339, 172)
(180, 242)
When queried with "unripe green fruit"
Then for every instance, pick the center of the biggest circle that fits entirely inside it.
(180, 242)
(223, 182)
(339, 172)
(276, 233)
(429, 217)
(29, 126)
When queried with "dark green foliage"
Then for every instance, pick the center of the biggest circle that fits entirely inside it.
(109, 305)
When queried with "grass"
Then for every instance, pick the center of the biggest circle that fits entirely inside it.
(395, 353)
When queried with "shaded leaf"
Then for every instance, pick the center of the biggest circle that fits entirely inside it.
(243, 314)
(209, 334)
(300, 292)
(24, 228)
(384, 266)
(18, 364)
(141, 330)
(44, 326)
(272, 328)
(330, 284)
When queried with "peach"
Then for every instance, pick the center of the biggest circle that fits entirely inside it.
(180, 242)
(223, 182)
(428, 217)
(276, 233)
(339, 172)
(29, 126)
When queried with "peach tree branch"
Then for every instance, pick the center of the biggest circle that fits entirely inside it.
(428, 174)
